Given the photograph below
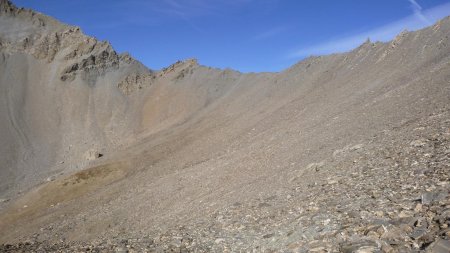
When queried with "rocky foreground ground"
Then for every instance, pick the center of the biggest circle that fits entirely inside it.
(391, 194)
(340, 153)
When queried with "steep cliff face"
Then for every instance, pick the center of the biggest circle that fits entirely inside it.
(206, 154)
(59, 95)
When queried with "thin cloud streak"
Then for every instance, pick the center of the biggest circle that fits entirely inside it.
(384, 33)
(415, 5)
(270, 33)
(136, 12)
(418, 12)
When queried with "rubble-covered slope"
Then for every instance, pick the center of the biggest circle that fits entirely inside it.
(343, 152)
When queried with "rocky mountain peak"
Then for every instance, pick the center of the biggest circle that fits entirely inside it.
(6, 6)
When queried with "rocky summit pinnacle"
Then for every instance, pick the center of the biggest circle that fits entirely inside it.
(6, 6)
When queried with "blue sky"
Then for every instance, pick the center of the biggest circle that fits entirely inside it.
(246, 35)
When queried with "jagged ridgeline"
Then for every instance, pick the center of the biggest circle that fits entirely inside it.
(339, 153)
(66, 96)
(47, 39)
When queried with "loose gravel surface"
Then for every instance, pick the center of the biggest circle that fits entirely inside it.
(389, 195)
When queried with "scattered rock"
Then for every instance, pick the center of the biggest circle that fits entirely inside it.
(418, 143)
(406, 214)
(362, 246)
(440, 246)
(429, 197)
(51, 178)
(266, 236)
(219, 240)
(92, 155)
(121, 250)
(418, 233)
(314, 166)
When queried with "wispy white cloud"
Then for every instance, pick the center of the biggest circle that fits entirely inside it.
(270, 33)
(419, 19)
(418, 12)
(415, 5)
(196, 8)
(157, 12)
(175, 4)
(150, 13)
